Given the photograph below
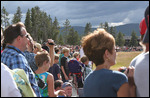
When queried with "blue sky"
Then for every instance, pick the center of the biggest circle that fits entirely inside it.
(81, 12)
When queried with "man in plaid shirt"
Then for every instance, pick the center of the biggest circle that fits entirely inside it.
(16, 39)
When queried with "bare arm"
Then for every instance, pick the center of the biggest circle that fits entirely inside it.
(66, 77)
(51, 51)
(123, 90)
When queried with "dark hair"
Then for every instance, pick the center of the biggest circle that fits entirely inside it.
(12, 32)
(84, 59)
(56, 50)
(58, 83)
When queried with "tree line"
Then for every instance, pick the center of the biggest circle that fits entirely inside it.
(41, 27)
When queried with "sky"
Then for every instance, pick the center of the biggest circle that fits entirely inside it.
(81, 12)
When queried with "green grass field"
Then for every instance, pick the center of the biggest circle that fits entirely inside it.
(123, 59)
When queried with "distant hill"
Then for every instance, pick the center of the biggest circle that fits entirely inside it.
(125, 29)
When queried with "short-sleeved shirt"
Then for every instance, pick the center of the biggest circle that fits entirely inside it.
(14, 58)
(103, 83)
(64, 63)
(141, 75)
(54, 70)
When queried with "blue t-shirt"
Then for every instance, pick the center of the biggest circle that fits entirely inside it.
(54, 70)
(103, 83)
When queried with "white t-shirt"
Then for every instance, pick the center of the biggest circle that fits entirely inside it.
(141, 75)
(8, 85)
(135, 59)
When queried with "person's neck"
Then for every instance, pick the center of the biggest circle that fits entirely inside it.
(40, 70)
(102, 66)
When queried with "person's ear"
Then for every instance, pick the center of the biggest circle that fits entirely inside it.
(106, 55)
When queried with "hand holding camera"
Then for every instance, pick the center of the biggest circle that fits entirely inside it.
(50, 42)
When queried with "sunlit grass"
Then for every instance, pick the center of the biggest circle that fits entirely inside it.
(123, 59)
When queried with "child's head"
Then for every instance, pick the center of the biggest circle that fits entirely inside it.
(84, 60)
(56, 59)
(76, 55)
(58, 85)
(42, 59)
(65, 51)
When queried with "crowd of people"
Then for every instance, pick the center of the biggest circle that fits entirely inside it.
(46, 72)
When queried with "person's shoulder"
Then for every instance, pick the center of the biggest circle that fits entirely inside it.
(119, 75)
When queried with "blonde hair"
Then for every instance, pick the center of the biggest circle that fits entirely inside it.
(41, 57)
(95, 44)
(64, 50)
(38, 45)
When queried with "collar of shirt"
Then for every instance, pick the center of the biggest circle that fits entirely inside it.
(15, 48)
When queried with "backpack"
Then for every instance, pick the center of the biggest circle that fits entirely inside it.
(75, 66)
(22, 82)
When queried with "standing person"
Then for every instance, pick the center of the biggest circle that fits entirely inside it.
(55, 69)
(99, 47)
(42, 60)
(144, 46)
(141, 74)
(16, 40)
(8, 85)
(64, 65)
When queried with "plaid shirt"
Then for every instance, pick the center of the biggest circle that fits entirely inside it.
(14, 58)
(30, 58)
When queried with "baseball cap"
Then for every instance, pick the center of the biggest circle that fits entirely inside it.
(146, 36)
(143, 27)
(66, 84)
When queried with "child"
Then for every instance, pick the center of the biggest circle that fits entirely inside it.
(85, 61)
(55, 69)
(64, 65)
(42, 60)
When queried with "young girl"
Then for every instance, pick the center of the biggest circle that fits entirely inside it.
(42, 60)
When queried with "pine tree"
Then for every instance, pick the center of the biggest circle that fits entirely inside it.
(113, 31)
(66, 30)
(134, 38)
(55, 29)
(4, 18)
(28, 23)
(87, 28)
(73, 37)
(120, 41)
(106, 27)
(60, 40)
(17, 16)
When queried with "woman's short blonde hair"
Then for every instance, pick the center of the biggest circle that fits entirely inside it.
(95, 44)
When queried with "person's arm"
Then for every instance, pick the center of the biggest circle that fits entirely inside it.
(66, 77)
(123, 90)
(63, 60)
(51, 51)
(128, 89)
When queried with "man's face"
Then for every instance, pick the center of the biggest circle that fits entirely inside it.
(24, 39)
(68, 91)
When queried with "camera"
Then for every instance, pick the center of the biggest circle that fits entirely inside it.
(41, 83)
(51, 43)
(123, 70)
